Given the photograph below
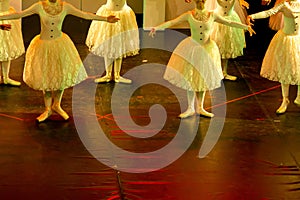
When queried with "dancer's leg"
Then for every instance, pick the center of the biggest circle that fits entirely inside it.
(48, 111)
(5, 73)
(108, 70)
(118, 78)
(200, 105)
(225, 67)
(191, 103)
(285, 99)
(57, 96)
(297, 100)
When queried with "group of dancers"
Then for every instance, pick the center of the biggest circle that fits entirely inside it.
(198, 63)
(216, 36)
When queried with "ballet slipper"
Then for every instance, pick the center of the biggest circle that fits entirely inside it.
(60, 111)
(47, 113)
(188, 113)
(283, 106)
(103, 79)
(204, 113)
(230, 77)
(120, 79)
(297, 101)
(8, 81)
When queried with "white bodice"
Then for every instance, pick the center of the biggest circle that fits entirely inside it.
(225, 7)
(290, 14)
(51, 25)
(201, 30)
(115, 5)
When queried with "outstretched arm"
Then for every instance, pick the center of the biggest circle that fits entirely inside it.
(71, 10)
(29, 11)
(267, 13)
(181, 18)
(224, 21)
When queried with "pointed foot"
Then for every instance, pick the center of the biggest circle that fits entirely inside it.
(61, 112)
(45, 115)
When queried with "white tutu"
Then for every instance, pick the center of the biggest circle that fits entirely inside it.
(53, 64)
(11, 43)
(282, 59)
(114, 40)
(195, 67)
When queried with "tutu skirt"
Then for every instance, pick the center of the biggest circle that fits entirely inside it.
(230, 40)
(195, 67)
(282, 59)
(53, 64)
(114, 40)
(11, 43)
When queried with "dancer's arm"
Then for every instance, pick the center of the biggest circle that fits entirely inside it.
(224, 21)
(29, 11)
(71, 10)
(267, 13)
(181, 18)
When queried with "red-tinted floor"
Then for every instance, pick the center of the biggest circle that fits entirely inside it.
(255, 157)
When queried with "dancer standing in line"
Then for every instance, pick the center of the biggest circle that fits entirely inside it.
(230, 40)
(52, 62)
(11, 44)
(282, 59)
(114, 41)
(195, 64)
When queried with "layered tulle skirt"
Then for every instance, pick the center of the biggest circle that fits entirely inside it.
(282, 59)
(11, 42)
(53, 64)
(230, 40)
(195, 67)
(114, 40)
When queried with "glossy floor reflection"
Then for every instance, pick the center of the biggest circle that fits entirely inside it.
(256, 156)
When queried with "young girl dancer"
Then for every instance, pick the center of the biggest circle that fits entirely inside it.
(52, 62)
(195, 64)
(282, 59)
(230, 40)
(114, 41)
(11, 44)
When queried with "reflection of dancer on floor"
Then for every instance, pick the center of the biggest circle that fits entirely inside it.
(114, 41)
(52, 62)
(230, 40)
(11, 43)
(282, 59)
(195, 64)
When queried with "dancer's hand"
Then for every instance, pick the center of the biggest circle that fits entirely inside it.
(244, 4)
(250, 30)
(152, 32)
(249, 20)
(5, 27)
(112, 19)
(265, 2)
(188, 1)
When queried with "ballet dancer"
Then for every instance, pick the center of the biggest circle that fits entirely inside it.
(114, 41)
(11, 45)
(282, 59)
(52, 62)
(195, 64)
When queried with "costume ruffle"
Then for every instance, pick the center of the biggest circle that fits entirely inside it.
(282, 59)
(114, 40)
(53, 64)
(11, 43)
(195, 67)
